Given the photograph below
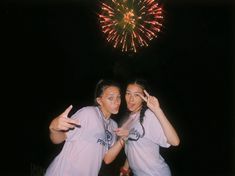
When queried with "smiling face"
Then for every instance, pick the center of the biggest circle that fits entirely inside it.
(110, 101)
(133, 100)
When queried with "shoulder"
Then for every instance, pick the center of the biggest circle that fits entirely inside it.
(148, 113)
(86, 111)
(150, 116)
(114, 122)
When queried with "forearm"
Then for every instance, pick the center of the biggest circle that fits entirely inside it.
(169, 131)
(126, 165)
(113, 151)
(56, 136)
(124, 170)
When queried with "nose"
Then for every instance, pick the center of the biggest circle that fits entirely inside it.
(117, 102)
(131, 98)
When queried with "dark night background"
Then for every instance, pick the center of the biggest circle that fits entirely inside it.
(53, 53)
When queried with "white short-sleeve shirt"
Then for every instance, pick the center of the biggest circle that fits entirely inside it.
(85, 147)
(143, 152)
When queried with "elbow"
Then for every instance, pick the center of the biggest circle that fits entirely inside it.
(176, 142)
(107, 160)
(57, 138)
(56, 142)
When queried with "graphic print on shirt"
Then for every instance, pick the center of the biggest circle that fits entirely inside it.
(108, 140)
(136, 133)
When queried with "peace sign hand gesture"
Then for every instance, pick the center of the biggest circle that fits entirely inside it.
(152, 102)
(63, 122)
(153, 105)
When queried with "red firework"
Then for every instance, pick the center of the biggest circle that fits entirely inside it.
(130, 24)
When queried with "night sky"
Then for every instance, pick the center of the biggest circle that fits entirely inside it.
(53, 53)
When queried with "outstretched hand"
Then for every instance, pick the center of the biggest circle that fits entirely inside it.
(121, 132)
(152, 102)
(63, 122)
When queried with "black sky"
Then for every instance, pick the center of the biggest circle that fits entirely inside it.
(53, 53)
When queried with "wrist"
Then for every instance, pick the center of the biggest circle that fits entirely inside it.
(124, 139)
(124, 171)
(53, 130)
(158, 111)
(122, 143)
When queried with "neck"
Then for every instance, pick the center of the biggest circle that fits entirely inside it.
(105, 114)
(135, 112)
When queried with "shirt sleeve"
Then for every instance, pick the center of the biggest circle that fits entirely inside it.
(156, 132)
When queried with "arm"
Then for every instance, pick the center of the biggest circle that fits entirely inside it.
(114, 151)
(124, 170)
(169, 131)
(57, 137)
(117, 147)
(60, 125)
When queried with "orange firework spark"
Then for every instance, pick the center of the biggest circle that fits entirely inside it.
(130, 24)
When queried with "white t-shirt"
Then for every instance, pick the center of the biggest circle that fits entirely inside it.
(85, 147)
(143, 154)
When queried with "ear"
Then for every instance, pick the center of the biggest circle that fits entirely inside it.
(98, 100)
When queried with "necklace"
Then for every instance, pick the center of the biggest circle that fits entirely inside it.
(106, 125)
(106, 122)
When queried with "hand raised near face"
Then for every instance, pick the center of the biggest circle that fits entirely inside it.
(152, 102)
(63, 122)
(121, 132)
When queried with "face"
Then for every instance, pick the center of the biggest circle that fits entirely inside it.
(133, 100)
(110, 101)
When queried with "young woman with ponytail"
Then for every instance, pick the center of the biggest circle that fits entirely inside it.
(90, 136)
(149, 129)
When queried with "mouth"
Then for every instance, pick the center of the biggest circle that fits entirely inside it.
(116, 109)
(130, 106)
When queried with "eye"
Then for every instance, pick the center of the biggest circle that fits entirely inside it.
(136, 95)
(110, 98)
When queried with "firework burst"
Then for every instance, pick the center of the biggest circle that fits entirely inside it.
(130, 24)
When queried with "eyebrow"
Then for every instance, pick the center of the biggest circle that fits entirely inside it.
(134, 92)
(113, 94)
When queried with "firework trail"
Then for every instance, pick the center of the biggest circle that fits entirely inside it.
(130, 24)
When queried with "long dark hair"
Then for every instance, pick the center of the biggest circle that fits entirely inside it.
(101, 86)
(144, 85)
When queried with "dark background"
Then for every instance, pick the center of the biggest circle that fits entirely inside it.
(53, 53)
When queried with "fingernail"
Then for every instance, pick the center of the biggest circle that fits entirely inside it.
(78, 126)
